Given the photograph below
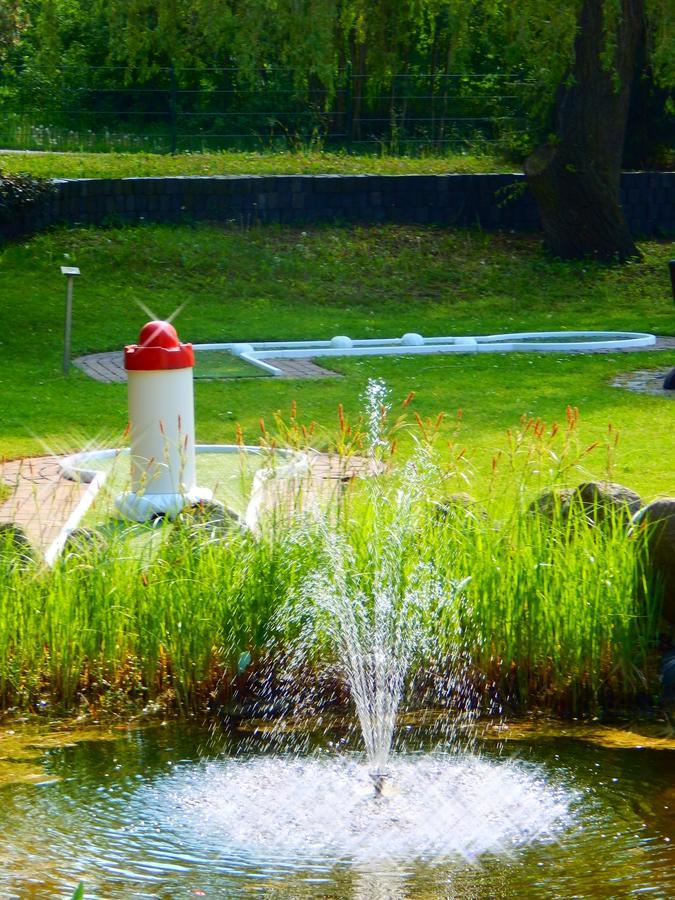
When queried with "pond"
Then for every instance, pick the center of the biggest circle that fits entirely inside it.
(182, 811)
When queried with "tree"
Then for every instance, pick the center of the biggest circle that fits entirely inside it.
(575, 177)
(13, 20)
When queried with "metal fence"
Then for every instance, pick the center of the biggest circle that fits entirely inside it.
(198, 109)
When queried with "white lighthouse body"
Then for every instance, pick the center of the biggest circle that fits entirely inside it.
(161, 426)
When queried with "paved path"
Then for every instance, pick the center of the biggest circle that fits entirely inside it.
(328, 476)
(662, 343)
(644, 381)
(42, 499)
(109, 367)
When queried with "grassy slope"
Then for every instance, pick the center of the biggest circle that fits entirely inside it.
(120, 165)
(271, 283)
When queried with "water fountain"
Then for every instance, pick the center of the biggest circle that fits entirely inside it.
(377, 631)
(302, 808)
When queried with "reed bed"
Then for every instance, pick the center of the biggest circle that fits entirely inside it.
(545, 607)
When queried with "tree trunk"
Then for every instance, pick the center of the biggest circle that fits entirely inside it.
(575, 181)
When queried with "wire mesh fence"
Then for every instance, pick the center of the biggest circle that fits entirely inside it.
(98, 108)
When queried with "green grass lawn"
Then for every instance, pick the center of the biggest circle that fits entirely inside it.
(301, 162)
(221, 364)
(270, 283)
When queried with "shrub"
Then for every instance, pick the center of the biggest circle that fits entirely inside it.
(22, 199)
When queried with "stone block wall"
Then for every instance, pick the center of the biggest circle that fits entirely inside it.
(490, 202)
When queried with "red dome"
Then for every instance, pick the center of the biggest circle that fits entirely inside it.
(159, 334)
(158, 348)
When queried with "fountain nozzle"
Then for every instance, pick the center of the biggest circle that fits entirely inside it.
(380, 780)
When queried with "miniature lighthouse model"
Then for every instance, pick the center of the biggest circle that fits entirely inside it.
(162, 428)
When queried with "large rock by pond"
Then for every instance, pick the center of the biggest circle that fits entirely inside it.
(86, 542)
(605, 499)
(458, 505)
(209, 520)
(600, 500)
(553, 503)
(660, 516)
(15, 548)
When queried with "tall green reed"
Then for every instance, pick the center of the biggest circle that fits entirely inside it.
(554, 610)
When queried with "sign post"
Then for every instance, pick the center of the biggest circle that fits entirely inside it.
(70, 272)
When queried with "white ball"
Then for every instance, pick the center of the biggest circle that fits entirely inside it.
(240, 349)
(341, 342)
(412, 340)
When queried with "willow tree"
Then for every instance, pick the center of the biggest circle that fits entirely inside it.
(13, 20)
(149, 35)
(589, 52)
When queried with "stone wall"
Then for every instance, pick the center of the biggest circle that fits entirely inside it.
(488, 201)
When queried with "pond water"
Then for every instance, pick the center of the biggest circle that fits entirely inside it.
(180, 811)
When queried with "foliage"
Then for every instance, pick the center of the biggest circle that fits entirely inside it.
(20, 199)
(552, 612)
(122, 627)
(299, 162)
(12, 23)
(351, 54)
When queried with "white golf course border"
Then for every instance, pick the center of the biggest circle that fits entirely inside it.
(413, 344)
(83, 467)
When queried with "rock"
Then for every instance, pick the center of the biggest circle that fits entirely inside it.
(668, 687)
(459, 504)
(85, 542)
(209, 520)
(599, 499)
(604, 499)
(15, 548)
(552, 504)
(660, 515)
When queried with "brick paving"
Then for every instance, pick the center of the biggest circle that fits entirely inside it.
(327, 477)
(662, 343)
(302, 368)
(109, 367)
(644, 381)
(42, 500)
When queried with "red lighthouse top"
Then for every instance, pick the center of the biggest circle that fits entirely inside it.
(158, 348)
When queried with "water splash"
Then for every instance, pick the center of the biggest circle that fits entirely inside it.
(377, 625)
(320, 809)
